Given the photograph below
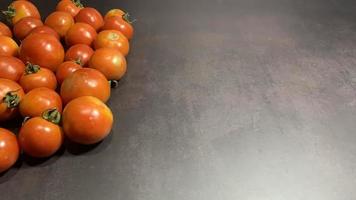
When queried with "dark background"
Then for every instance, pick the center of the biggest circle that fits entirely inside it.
(223, 100)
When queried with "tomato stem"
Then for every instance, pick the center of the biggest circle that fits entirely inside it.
(52, 115)
(9, 13)
(127, 17)
(32, 69)
(79, 62)
(11, 99)
(78, 3)
(114, 83)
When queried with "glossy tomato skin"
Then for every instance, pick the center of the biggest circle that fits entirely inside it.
(69, 6)
(114, 13)
(38, 100)
(110, 62)
(65, 69)
(60, 22)
(43, 50)
(79, 52)
(45, 30)
(85, 82)
(87, 120)
(9, 149)
(40, 138)
(43, 78)
(90, 16)
(119, 24)
(23, 27)
(8, 47)
(7, 86)
(112, 39)
(11, 68)
(5, 30)
(80, 33)
(23, 9)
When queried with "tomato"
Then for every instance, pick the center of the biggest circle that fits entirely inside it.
(87, 120)
(119, 24)
(41, 136)
(8, 47)
(79, 52)
(9, 149)
(114, 13)
(90, 16)
(35, 77)
(42, 49)
(110, 62)
(11, 94)
(45, 30)
(66, 69)
(70, 6)
(38, 100)
(25, 26)
(85, 82)
(5, 30)
(112, 39)
(80, 33)
(21, 9)
(11, 68)
(60, 22)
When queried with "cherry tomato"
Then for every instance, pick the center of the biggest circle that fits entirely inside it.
(11, 68)
(85, 82)
(23, 27)
(5, 30)
(110, 62)
(60, 22)
(8, 47)
(38, 100)
(87, 120)
(21, 9)
(9, 149)
(79, 52)
(42, 49)
(11, 94)
(45, 30)
(41, 136)
(80, 33)
(114, 13)
(119, 24)
(90, 16)
(112, 39)
(66, 69)
(70, 6)
(36, 77)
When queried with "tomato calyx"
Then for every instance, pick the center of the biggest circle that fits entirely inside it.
(127, 17)
(52, 115)
(78, 3)
(114, 83)
(31, 69)
(79, 62)
(11, 99)
(9, 13)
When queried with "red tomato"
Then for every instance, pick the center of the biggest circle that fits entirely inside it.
(42, 49)
(36, 77)
(45, 30)
(60, 22)
(112, 39)
(11, 94)
(70, 6)
(80, 33)
(23, 27)
(66, 69)
(87, 120)
(85, 82)
(41, 136)
(9, 150)
(110, 62)
(38, 100)
(114, 13)
(21, 9)
(11, 68)
(79, 52)
(90, 16)
(119, 24)
(5, 30)
(8, 47)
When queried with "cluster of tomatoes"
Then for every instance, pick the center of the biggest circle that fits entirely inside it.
(57, 75)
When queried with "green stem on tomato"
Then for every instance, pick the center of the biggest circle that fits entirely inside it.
(52, 115)
(11, 99)
(31, 69)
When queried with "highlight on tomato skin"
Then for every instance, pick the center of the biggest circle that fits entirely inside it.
(60, 21)
(80, 33)
(79, 53)
(9, 149)
(8, 47)
(11, 68)
(70, 6)
(20, 9)
(90, 16)
(45, 30)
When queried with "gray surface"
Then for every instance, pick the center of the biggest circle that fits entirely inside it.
(224, 100)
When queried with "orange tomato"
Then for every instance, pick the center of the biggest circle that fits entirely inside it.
(70, 6)
(112, 39)
(80, 33)
(21, 9)
(45, 30)
(8, 47)
(60, 22)
(23, 27)
(5, 30)
(36, 77)
(66, 69)
(11, 68)
(9, 149)
(90, 16)
(11, 94)
(119, 24)
(114, 13)
(79, 52)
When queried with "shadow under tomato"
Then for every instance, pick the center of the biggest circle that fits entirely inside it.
(7, 175)
(12, 125)
(32, 161)
(79, 149)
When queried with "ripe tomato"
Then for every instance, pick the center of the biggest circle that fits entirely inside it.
(110, 62)
(8, 47)
(90, 16)
(38, 100)
(119, 24)
(23, 27)
(79, 52)
(85, 82)
(5, 30)
(21, 9)
(112, 39)
(35, 77)
(66, 69)
(11, 68)
(80, 33)
(45, 30)
(11, 94)
(9, 149)
(41, 136)
(87, 120)
(114, 13)
(60, 22)
(70, 6)
(42, 49)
